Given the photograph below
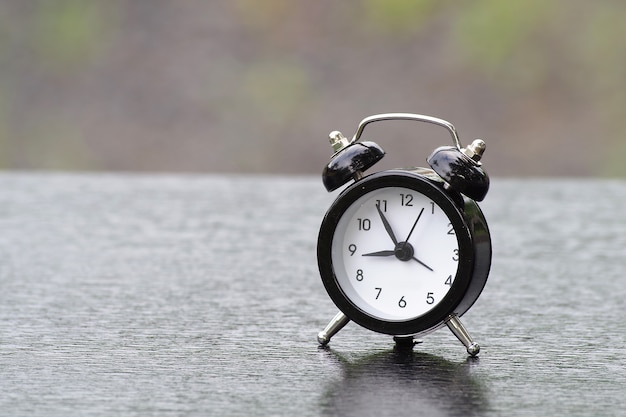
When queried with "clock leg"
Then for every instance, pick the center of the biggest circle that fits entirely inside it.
(331, 329)
(405, 343)
(456, 327)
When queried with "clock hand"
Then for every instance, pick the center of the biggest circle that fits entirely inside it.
(384, 253)
(387, 225)
(413, 228)
(409, 236)
(380, 253)
(423, 264)
(400, 251)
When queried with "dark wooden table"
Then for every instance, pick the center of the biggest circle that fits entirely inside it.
(199, 295)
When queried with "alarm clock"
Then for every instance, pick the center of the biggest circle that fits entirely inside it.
(404, 252)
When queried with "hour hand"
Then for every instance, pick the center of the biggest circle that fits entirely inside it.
(380, 253)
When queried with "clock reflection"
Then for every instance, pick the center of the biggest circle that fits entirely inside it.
(403, 383)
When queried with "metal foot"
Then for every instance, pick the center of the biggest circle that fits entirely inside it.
(331, 329)
(456, 327)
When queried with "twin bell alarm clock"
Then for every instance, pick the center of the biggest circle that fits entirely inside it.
(404, 252)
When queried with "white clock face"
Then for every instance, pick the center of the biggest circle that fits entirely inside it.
(395, 254)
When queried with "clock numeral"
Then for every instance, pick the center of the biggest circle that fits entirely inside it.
(429, 298)
(364, 224)
(352, 249)
(382, 204)
(359, 275)
(402, 302)
(432, 207)
(451, 231)
(448, 280)
(407, 200)
(456, 255)
(379, 291)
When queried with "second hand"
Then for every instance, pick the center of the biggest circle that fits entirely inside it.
(413, 228)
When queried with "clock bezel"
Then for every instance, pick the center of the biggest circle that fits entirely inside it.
(431, 189)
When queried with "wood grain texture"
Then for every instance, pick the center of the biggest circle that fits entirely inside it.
(199, 295)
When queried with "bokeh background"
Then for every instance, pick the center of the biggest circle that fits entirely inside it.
(256, 86)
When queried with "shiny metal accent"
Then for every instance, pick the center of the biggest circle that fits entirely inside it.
(475, 150)
(337, 323)
(407, 116)
(457, 328)
(337, 140)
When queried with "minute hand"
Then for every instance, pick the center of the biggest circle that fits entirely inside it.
(387, 225)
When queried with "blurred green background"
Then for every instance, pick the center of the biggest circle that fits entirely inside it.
(256, 86)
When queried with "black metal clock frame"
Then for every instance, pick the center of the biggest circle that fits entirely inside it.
(473, 240)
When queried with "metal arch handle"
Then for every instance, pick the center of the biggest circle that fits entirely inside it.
(407, 116)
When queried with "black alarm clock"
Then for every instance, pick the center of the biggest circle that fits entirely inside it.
(405, 251)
